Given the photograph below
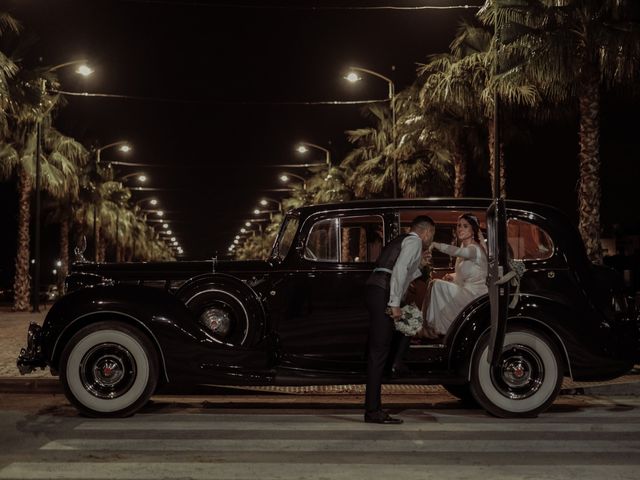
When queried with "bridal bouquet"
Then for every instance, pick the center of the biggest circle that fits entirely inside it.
(410, 322)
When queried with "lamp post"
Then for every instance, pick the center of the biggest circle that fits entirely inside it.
(285, 177)
(141, 177)
(264, 201)
(303, 147)
(125, 148)
(353, 77)
(152, 201)
(84, 71)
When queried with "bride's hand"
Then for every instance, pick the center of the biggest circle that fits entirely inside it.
(448, 277)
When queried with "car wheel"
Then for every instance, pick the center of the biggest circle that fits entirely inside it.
(223, 314)
(109, 369)
(462, 393)
(527, 379)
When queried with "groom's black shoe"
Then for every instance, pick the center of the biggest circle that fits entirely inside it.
(381, 417)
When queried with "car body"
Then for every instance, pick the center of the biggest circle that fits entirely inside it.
(299, 318)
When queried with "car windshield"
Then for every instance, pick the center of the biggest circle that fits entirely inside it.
(285, 239)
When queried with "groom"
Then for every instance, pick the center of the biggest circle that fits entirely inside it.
(397, 266)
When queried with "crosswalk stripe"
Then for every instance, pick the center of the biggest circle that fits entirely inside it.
(308, 471)
(299, 445)
(359, 425)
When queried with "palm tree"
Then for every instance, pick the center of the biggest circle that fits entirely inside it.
(370, 162)
(30, 104)
(69, 157)
(370, 165)
(328, 185)
(424, 159)
(8, 69)
(462, 84)
(575, 48)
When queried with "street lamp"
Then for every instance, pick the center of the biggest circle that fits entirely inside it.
(152, 201)
(285, 177)
(353, 77)
(140, 176)
(125, 147)
(86, 71)
(264, 201)
(159, 213)
(303, 147)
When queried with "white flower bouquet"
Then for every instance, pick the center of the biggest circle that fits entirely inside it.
(410, 322)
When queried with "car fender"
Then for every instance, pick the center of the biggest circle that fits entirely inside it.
(543, 315)
(155, 312)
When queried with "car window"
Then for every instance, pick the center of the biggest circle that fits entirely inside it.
(345, 239)
(285, 239)
(528, 241)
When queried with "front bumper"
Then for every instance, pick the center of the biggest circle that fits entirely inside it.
(31, 357)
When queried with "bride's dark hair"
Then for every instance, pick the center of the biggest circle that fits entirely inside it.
(475, 224)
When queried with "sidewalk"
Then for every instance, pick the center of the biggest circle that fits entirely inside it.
(13, 337)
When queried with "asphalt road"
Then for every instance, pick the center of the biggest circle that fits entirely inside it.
(320, 437)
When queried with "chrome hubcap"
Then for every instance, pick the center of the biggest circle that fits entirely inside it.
(520, 373)
(107, 370)
(217, 320)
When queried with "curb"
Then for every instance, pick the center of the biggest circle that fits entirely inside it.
(30, 385)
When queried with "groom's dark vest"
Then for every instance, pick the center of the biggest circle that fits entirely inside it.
(381, 275)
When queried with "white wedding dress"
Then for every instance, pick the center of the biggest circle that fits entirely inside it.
(448, 299)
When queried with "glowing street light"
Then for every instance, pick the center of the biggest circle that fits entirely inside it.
(353, 77)
(140, 176)
(302, 148)
(153, 201)
(84, 70)
(285, 177)
(265, 201)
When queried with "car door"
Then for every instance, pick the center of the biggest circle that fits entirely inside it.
(498, 267)
(325, 323)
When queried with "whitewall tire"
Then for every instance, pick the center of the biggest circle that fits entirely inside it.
(109, 369)
(527, 379)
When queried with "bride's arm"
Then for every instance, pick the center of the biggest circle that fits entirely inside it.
(470, 253)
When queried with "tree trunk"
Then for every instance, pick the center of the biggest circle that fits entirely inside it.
(102, 249)
(96, 244)
(589, 176)
(22, 279)
(64, 250)
(492, 165)
(460, 174)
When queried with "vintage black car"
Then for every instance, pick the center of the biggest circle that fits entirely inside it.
(298, 318)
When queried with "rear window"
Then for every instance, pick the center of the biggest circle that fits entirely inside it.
(528, 241)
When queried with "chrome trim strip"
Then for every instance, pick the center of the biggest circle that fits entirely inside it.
(155, 339)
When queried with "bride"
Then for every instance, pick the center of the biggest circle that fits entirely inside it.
(450, 295)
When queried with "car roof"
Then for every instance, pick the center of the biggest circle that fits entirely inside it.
(544, 210)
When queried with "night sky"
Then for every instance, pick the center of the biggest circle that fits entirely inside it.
(213, 81)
